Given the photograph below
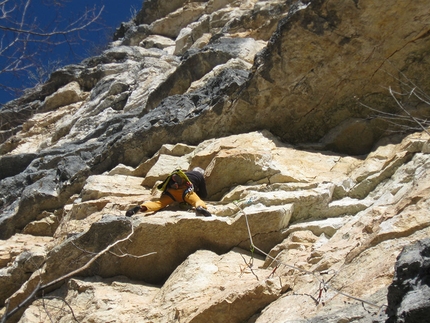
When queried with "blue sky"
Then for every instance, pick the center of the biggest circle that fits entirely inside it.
(75, 50)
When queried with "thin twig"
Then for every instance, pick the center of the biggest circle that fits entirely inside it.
(407, 112)
(132, 256)
(323, 284)
(40, 287)
(67, 303)
(249, 265)
(46, 310)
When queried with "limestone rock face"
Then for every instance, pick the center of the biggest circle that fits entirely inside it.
(20, 256)
(317, 180)
(316, 251)
(66, 95)
(409, 294)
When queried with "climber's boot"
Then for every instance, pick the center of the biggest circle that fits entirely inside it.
(202, 211)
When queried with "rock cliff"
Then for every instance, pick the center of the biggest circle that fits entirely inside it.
(309, 119)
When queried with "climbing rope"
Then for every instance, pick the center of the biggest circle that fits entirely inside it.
(324, 286)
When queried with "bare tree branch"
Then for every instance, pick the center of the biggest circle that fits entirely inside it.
(68, 30)
(63, 300)
(25, 38)
(412, 96)
(41, 286)
(407, 112)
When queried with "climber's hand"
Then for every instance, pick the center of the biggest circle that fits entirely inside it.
(133, 211)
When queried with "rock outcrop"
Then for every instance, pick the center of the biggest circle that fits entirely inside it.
(314, 184)
(409, 294)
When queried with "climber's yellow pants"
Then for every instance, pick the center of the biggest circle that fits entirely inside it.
(191, 198)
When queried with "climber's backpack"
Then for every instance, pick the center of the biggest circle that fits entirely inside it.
(162, 187)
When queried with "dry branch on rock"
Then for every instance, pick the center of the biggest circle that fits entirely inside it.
(263, 96)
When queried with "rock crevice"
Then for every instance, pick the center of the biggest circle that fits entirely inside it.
(317, 181)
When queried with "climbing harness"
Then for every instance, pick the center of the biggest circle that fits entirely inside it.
(164, 185)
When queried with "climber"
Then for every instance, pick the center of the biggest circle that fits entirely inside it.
(183, 187)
